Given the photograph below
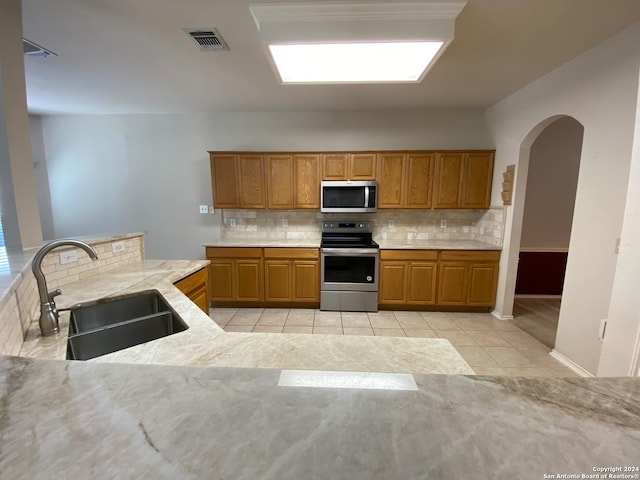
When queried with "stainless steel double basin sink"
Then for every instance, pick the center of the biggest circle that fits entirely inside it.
(111, 324)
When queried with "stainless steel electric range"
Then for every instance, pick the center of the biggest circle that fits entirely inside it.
(348, 267)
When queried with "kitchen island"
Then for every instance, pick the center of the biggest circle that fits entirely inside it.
(102, 421)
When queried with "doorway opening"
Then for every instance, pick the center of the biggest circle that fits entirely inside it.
(552, 179)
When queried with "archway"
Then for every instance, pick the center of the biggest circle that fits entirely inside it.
(549, 199)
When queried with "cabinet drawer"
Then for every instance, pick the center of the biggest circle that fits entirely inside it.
(192, 282)
(234, 252)
(470, 255)
(408, 255)
(302, 253)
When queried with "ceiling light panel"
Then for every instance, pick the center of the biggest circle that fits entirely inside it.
(353, 62)
(355, 42)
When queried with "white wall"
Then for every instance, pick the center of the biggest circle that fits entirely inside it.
(551, 187)
(122, 173)
(621, 349)
(599, 89)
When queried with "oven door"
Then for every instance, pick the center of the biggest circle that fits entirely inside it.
(349, 269)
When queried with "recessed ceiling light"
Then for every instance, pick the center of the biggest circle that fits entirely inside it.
(353, 62)
(355, 42)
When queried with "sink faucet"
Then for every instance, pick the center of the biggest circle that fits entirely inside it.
(48, 313)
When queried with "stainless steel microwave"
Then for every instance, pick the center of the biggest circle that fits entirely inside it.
(349, 196)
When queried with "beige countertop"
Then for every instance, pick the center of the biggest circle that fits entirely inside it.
(266, 243)
(436, 245)
(204, 343)
(433, 244)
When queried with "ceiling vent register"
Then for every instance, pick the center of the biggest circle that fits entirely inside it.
(207, 39)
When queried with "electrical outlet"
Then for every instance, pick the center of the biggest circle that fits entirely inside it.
(68, 257)
(117, 247)
(391, 224)
(232, 223)
(285, 223)
(204, 209)
(443, 224)
(212, 210)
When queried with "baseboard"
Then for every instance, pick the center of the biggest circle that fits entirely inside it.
(570, 364)
(533, 295)
(499, 316)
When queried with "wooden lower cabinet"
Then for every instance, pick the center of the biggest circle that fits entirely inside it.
(448, 278)
(235, 274)
(292, 275)
(408, 277)
(256, 276)
(195, 287)
(468, 277)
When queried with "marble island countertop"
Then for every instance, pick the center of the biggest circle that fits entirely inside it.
(61, 419)
(204, 343)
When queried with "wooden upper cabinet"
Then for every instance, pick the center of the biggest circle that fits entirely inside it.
(419, 180)
(390, 179)
(335, 166)
(463, 180)
(238, 180)
(477, 178)
(362, 166)
(251, 181)
(349, 166)
(224, 181)
(307, 180)
(280, 181)
(448, 179)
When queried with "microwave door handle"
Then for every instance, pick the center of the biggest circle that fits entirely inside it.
(366, 197)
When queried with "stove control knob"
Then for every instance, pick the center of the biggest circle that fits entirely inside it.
(369, 278)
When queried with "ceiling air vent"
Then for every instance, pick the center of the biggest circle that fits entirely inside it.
(32, 49)
(207, 39)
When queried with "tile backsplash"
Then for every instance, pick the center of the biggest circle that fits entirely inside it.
(482, 225)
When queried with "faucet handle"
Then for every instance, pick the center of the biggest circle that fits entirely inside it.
(53, 294)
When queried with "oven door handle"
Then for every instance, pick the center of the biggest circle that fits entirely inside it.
(350, 251)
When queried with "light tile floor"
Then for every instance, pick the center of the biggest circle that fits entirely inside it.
(489, 346)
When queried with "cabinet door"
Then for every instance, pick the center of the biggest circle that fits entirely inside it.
(277, 280)
(452, 283)
(201, 299)
(248, 281)
(221, 279)
(280, 181)
(307, 181)
(476, 181)
(483, 279)
(448, 179)
(335, 166)
(421, 283)
(390, 179)
(419, 180)
(224, 181)
(251, 181)
(392, 283)
(362, 166)
(306, 281)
